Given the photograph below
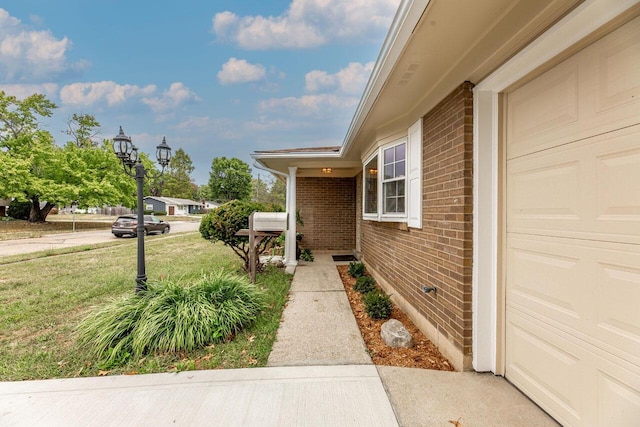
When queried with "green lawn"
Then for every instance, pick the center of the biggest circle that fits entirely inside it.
(43, 299)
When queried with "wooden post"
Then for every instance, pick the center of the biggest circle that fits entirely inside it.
(252, 250)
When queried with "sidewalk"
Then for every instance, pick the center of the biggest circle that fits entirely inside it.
(319, 374)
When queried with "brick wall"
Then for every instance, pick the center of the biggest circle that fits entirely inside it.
(439, 254)
(328, 209)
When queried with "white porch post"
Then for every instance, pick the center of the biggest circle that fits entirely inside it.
(290, 243)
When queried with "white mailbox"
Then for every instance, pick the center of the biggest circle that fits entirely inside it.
(269, 221)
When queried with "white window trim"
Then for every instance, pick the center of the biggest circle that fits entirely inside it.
(380, 216)
(412, 214)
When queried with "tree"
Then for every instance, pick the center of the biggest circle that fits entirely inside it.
(202, 192)
(83, 128)
(37, 170)
(230, 179)
(177, 179)
(225, 221)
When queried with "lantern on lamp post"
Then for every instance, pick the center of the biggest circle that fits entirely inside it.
(132, 165)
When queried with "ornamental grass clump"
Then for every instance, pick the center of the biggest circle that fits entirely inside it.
(172, 317)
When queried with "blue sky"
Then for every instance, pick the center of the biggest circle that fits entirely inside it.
(217, 78)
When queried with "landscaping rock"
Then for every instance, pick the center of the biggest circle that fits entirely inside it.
(394, 334)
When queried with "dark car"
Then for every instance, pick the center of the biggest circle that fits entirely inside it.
(128, 224)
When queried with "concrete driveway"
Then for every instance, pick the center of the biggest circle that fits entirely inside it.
(67, 240)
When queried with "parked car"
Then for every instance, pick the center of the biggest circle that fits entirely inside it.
(128, 224)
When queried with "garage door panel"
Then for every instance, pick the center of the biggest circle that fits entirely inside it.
(547, 369)
(615, 62)
(554, 369)
(580, 190)
(540, 110)
(594, 92)
(619, 396)
(617, 319)
(582, 288)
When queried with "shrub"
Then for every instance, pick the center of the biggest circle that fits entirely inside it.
(19, 210)
(364, 284)
(224, 222)
(356, 269)
(377, 305)
(306, 255)
(171, 317)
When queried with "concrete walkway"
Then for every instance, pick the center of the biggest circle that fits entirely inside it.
(319, 374)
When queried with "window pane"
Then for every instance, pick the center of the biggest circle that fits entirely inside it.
(390, 189)
(388, 156)
(400, 205)
(400, 152)
(400, 191)
(390, 205)
(388, 171)
(400, 169)
(371, 186)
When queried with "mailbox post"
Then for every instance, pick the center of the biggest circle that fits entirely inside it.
(261, 226)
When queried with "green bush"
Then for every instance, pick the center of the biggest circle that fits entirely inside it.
(356, 269)
(19, 210)
(306, 255)
(224, 222)
(377, 305)
(364, 284)
(171, 317)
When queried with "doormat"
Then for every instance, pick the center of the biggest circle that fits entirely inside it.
(340, 258)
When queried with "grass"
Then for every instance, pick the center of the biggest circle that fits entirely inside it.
(43, 300)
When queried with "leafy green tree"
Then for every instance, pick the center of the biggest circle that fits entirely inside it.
(202, 193)
(83, 129)
(177, 179)
(259, 190)
(35, 169)
(224, 222)
(230, 179)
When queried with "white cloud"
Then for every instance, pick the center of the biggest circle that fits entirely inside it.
(29, 54)
(240, 71)
(194, 123)
(177, 95)
(322, 105)
(21, 91)
(307, 23)
(86, 94)
(351, 79)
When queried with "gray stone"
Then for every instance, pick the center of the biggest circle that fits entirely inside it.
(395, 334)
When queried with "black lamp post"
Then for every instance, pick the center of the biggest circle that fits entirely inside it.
(132, 165)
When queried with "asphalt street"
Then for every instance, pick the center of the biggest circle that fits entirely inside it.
(67, 240)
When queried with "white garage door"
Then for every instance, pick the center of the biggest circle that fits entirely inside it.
(573, 235)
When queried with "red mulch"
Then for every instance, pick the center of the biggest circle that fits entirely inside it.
(424, 354)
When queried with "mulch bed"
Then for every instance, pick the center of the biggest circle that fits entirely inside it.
(424, 354)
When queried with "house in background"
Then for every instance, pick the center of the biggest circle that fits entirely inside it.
(495, 157)
(172, 206)
(4, 206)
(208, 205)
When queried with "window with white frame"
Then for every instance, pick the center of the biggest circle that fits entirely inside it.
(395, 194)
(393, 182)
(370, 186)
